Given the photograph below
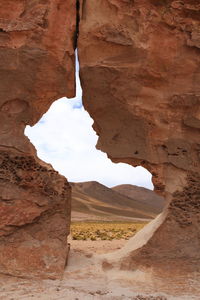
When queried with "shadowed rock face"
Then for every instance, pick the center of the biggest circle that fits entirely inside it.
(36, 68)
(140, 71)
(140, 74)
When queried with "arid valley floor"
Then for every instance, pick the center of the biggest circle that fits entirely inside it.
(84, 279)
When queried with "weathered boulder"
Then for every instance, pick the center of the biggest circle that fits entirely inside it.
(35, 217)
(140, 74)
(37, 41)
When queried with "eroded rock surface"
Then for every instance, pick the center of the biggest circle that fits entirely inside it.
(140, 71)
(37, 41)
(35, 217)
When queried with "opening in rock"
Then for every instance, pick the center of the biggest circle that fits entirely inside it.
(110, 202)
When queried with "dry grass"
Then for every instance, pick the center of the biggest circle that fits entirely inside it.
(104, 230)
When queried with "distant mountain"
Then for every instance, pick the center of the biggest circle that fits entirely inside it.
(152, 201)
(92, 200)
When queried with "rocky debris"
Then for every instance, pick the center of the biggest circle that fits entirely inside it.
(140, 297)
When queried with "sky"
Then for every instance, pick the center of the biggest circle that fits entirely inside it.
(64, 138)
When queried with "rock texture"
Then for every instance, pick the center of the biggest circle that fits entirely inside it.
(37, 41)
(35, 217)
(140, 72)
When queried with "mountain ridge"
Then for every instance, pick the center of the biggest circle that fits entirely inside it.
(92, 199)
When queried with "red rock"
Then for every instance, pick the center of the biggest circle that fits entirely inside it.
(37, 65)
(139, 65)
(140, 76)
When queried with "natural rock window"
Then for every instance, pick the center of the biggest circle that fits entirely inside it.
(139, 69)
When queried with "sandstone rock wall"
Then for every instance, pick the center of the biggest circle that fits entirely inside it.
(140, 72)
(35, 217)
(37, 41)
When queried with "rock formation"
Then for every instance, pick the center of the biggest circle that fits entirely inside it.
(140, 75)
(36, 68)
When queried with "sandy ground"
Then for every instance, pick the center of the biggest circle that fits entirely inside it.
(84, 279)
(96, 247)
(83, 217)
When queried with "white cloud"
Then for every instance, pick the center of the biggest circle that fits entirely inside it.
(64, 137)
